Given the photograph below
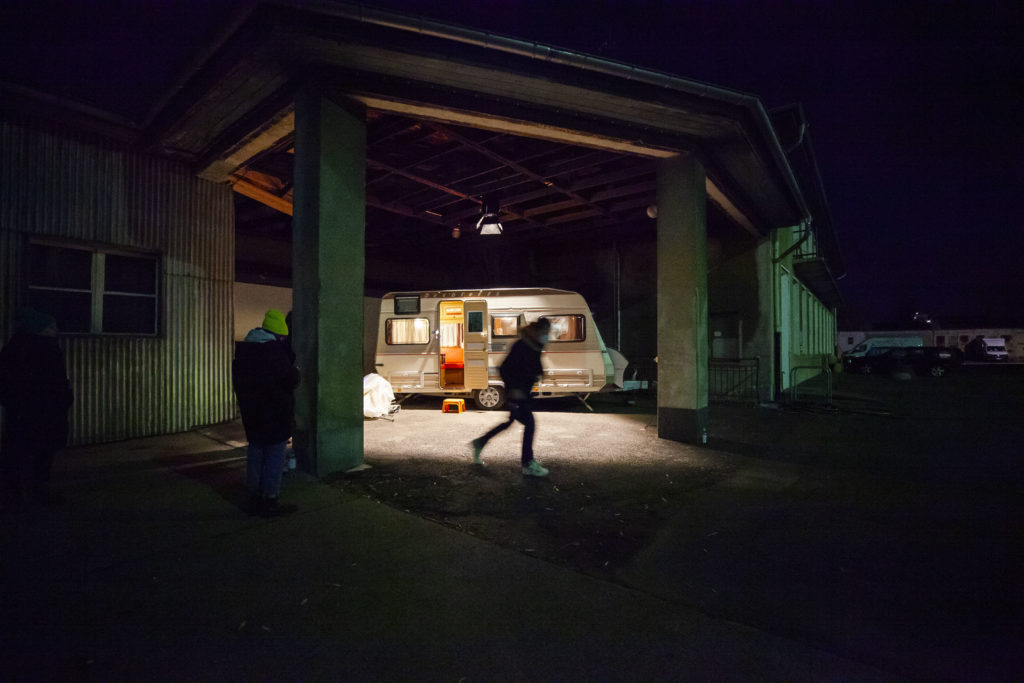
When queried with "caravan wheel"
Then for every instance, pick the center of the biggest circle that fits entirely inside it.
(490, 398)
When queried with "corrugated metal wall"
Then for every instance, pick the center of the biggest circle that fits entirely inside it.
(90, 190)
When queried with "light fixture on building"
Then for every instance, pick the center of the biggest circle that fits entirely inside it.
(490, 220)
(652, 211)
(456, 232)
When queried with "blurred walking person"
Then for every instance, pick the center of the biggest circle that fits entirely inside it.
(36, 395)
(264, 379)
(520, 371)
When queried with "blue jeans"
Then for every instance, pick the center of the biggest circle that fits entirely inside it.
(264, 465)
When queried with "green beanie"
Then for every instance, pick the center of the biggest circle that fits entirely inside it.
(274, 322)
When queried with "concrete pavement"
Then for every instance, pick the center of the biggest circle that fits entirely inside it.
(150, 570)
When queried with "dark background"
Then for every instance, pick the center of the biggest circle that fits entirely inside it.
(915, 107)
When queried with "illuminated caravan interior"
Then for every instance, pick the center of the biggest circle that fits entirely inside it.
(453, 342)
(452, 357)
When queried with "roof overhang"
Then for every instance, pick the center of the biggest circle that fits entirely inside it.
(239, 102)
(815, 273)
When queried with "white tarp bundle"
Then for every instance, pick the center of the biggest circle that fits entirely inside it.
(377, 396)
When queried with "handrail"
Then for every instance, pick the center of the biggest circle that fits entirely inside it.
(793, 386)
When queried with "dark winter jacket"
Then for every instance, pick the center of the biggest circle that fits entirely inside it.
(264, 380)
(34, 390)
(521, 367)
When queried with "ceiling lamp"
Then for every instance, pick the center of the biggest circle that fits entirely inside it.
(490, 220)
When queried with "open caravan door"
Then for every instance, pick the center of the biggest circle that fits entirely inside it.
(476, 344)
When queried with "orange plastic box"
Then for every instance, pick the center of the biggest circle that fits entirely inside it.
(453, 405)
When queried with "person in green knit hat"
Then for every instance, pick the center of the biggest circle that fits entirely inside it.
(264, 379)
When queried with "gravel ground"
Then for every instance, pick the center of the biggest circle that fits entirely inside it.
(884, 527)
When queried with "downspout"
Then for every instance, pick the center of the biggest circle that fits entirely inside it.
(799, 139)
(618, 297)
(795, 245)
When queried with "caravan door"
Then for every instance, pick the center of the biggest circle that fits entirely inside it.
(477, 334)
(452, 332)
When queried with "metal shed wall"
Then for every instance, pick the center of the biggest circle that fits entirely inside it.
(87, 190)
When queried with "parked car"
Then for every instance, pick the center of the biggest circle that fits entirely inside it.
(866, 362)
(923, 360)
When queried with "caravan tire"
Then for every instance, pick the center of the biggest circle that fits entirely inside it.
(491, 398)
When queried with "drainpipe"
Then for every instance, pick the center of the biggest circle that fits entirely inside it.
(799, 139)
(796, 245)
(618, 297)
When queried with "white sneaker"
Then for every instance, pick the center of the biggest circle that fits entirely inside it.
(477, 450)
(535, 469)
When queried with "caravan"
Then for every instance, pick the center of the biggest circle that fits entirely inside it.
(452, 342)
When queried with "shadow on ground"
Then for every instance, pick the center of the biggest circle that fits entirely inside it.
(884, 527)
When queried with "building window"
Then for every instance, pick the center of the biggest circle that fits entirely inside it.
(406, 331)
(92, 291)
(567, 328)
(964, 338)
(505, 326)
(940, 340)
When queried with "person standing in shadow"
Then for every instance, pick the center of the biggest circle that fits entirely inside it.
(36, 395)
(520, 371)
(264, 379)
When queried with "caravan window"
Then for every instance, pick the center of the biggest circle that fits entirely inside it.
(475, 322)
(407, 305)
(505, 326)
(407, 331)
(567, 328)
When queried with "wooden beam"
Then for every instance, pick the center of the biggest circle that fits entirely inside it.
(716, 195)
(252, 191)
(517, 167)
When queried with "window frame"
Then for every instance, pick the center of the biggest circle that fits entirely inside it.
(583, 327)
(514, 335)
(387, 332)
(401, 300)
(98, 290)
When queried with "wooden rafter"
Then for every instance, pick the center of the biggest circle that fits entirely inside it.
(515, 166)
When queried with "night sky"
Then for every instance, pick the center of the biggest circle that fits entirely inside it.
(915, 109)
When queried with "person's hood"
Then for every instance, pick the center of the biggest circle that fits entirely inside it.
(531, 336)
(259, 335)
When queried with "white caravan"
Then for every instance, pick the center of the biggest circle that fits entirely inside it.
(452, 342)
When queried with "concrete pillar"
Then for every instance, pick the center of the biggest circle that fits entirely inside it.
(762, 338)
(682, 300)
(327, 274)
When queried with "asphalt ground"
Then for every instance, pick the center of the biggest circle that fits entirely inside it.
(878, 538)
